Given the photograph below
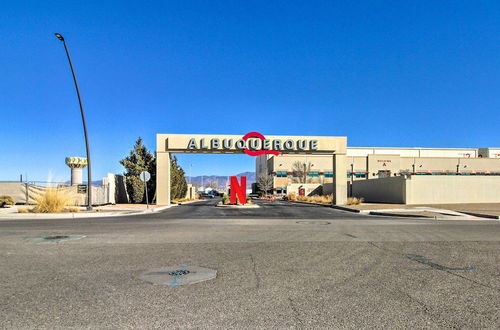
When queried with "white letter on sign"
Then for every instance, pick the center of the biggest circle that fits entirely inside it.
(192, 144)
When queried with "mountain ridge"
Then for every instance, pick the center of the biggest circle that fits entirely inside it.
(219, 181)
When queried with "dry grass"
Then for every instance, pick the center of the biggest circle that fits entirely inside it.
(23, 210)
(53, 200)
(354, 201)
(327, 199)
(73, 209)
(6, 200)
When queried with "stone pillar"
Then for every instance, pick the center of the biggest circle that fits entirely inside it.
(339, 179)
(163, 178)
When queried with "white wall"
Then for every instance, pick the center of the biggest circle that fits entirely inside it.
(432, 189)
(453, 189)
(384, 190)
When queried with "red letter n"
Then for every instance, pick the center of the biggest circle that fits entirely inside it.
(238, 190)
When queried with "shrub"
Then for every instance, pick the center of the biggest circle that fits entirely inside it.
(23, 210)
(53, 201)
(73, 209)
(225, 199)
(326, 199)
(6, 200)
(354, 201)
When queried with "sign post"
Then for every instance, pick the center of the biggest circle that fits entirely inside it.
(145, 176)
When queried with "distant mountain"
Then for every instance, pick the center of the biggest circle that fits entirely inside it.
(219, 181)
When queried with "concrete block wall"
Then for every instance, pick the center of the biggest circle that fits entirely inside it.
(435, 189)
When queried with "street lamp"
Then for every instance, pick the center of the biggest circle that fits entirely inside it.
(89, 175)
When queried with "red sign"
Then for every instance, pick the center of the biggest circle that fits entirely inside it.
(238, 190)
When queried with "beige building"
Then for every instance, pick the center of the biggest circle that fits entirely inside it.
(371, 163)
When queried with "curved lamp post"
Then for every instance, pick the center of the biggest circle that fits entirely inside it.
(89, 175)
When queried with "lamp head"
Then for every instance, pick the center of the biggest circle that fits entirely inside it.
(59, 36)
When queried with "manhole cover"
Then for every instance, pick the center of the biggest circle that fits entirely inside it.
(313, 222)
(178, 275)
(52, 238)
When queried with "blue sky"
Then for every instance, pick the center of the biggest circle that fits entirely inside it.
(382, 73)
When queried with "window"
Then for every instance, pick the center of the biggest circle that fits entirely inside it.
(329, 175)
(281, 174)
(360, 175)
(313, 174)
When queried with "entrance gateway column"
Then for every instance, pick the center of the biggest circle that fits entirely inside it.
(339, 179)
(162, 178)
(252, 144)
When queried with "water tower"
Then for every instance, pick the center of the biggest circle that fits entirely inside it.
(76, 164)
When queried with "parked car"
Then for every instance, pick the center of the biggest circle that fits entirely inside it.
(205, 195)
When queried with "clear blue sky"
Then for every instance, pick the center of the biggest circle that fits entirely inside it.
(382, 73)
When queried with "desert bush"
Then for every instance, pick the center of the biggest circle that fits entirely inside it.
(354, 201)
(225, 199)
(326, 199)
(53, 200)
(6, 200)
(73, 209)
(23, 210)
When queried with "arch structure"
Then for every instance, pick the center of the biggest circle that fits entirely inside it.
(252, 144)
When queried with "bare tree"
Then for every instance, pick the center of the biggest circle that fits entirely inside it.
(265, 182)
(300, 171)
(213, 184)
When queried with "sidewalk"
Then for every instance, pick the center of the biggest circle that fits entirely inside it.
(489, 210)
(99, 211)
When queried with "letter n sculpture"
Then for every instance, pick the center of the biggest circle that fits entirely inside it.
(238, 190)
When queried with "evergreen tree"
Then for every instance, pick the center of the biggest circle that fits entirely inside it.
(178, 184)
(139, 159)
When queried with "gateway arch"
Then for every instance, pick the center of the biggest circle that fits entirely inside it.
(252, 144)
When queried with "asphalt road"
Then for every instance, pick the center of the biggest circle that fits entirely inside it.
(280, 266)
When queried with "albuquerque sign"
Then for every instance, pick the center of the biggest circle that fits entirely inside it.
(252, 144)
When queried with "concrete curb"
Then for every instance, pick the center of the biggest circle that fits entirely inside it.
(253, 206)
(32, 216)
(481, 215)
(400, 215)
(307, 203)
(342, 208)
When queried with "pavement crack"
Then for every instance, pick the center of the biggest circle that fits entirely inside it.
(257, 277)
(425, 309)
(295, 313)
(425, 261)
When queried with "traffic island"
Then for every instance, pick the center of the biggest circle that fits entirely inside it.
(237, 206)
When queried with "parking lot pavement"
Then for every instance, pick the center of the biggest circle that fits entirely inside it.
(272, 272)
(267, 209)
